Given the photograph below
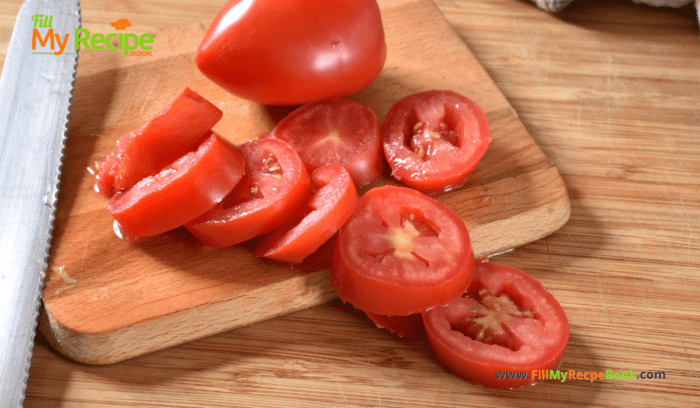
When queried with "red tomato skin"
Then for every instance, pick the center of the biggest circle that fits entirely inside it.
(335, 131)
(289, 52)
(478, 362)
(190, 186)
(387, 297)
(329, 207)
(445, 171)
(221, 226)
(384, 298)
(177, 129)
(404, 326)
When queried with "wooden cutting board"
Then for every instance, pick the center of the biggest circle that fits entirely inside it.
(106, 300)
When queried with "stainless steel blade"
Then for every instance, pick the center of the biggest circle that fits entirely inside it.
(35, 96)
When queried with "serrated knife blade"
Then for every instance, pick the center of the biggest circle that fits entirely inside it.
(35, 96)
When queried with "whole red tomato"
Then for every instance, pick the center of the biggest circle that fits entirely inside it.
(289, 52)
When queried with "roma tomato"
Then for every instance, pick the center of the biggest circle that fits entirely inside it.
(433, 140)
(505, 322)
(401, 253)
(335, 131)
(289, 52)
(274, 189)
(177, 129)
(404, 326)
(187, 188)
(330, 205)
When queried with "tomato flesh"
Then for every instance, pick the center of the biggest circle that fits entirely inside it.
(506, 321)
(433, 140)
(182, 191)
(329, 207)
(274, 189)
(401, 253)
(404, 326)
(177, 129)
(289, 52)
(335, 131)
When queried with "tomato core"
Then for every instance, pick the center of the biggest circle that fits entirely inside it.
(488, 326)
(433, 140)
(401, 253)
(506, 321)
(425, 142)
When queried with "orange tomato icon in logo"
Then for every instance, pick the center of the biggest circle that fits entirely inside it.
(121, 24)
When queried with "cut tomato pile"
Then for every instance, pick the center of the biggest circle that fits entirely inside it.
(402, 257)
(177, 129)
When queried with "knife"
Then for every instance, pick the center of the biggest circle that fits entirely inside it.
(35, 96)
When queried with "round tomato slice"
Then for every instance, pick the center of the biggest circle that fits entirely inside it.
(187, 188)
(328, 208)
(289, 52)
(433, 140)
(274, 189)
(335, 131)
(169, 135)
(400, 253)
(505, 322)
(404, 326)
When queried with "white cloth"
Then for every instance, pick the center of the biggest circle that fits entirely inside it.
(556, 5)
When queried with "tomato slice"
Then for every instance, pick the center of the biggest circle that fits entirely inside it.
(400, 253)
(176, 130)
(335, 131)
(404, 326)
(506, 321)
(187, 188)
(274, 189)
(329, 207)
(433, 140)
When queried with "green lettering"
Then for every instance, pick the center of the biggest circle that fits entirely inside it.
(97, 41)
(37, 18)
(608, 374)
(127, 45)
(555, 375)
(108, 42)
(82, 40)
(146, 39)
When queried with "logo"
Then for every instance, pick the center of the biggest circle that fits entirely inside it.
(591, 376)
(121, 24)
(46, 41)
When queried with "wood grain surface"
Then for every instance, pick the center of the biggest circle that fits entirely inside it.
(107, 300)
(610, 92)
